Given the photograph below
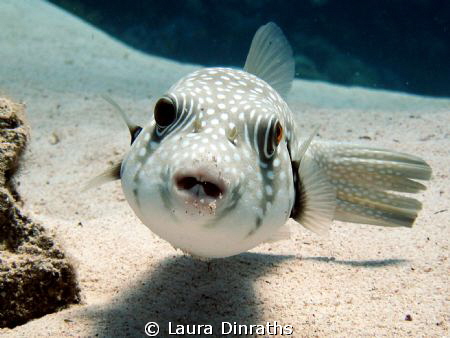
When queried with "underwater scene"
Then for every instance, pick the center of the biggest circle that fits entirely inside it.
(235, 168)
(396, 45)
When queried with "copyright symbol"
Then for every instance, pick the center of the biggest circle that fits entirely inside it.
(151, 329)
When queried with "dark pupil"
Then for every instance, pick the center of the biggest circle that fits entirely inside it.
(165, 112)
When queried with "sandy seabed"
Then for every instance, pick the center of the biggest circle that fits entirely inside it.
(361, 281)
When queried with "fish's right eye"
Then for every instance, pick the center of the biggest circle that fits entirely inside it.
(165, 112)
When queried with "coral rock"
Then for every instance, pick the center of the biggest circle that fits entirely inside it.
(36, 278)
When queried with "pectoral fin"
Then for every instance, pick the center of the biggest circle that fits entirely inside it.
(110, 174)
(113, 173)
(315, 196)
(133, 128)
(315, 202)
(283, 233)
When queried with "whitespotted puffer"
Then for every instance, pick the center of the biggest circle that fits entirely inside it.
(222, 164)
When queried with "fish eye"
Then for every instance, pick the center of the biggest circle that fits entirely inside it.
(165, 112)
(278, 135)
(274, 135)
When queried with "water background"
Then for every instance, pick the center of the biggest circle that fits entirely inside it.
(390, 44)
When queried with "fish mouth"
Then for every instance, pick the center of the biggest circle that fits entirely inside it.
(199, 185)
(195, 186)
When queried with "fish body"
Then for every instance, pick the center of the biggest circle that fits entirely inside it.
(223, 165)
(224, 135)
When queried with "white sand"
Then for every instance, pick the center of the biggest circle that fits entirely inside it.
(361, 281)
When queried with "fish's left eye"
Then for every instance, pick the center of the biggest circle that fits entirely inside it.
(274, 135)
(278, 134)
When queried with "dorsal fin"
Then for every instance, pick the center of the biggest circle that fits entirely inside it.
(270, 58)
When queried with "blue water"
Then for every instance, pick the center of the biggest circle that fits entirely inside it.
(389, 44)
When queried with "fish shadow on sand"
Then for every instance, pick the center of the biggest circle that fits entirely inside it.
(185, 291)
(372, 263)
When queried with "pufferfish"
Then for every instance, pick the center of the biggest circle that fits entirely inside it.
(223, 164)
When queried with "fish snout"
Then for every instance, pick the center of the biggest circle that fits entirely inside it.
(199, 186)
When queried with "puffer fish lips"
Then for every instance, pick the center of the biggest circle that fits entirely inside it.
(199, 186)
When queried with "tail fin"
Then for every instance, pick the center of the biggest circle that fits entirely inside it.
(364, 179)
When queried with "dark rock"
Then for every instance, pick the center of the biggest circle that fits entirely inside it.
(36, 278)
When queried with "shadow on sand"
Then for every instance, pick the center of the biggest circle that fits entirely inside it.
(373, 263)
(185, 291)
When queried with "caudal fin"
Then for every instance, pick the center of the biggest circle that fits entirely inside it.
(366, 179)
